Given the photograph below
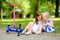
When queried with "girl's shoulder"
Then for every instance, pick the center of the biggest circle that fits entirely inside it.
(49, 20)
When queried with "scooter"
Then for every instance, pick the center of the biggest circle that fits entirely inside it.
(14, 29)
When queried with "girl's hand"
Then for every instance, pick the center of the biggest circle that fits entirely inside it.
(44, 24)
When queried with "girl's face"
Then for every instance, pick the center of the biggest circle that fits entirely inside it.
(44, 17)
(39, 18)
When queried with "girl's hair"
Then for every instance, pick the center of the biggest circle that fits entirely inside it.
(47, 15)
(37, 14)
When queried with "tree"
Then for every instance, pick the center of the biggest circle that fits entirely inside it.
(34, 6)
(2, 7)
(57, 9)
(1, 10)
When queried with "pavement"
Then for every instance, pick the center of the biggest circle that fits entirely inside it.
(13, 36)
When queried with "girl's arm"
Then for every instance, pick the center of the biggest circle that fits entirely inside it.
(51, 23)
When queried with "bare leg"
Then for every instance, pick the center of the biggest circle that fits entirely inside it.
(28, 27)
(39, 29)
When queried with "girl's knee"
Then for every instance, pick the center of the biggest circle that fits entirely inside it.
(30, 22)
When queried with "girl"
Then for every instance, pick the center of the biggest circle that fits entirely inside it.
(48, 23)
(34, 27)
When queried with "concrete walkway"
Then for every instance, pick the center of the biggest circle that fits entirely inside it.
(13, 36)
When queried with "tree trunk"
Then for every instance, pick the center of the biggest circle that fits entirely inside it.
(57, 9)
(36, 7)
(1, 11)
(1, 14)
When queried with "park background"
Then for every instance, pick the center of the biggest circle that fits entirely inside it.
(28, 9)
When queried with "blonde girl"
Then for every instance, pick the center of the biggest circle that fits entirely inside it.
(48, 25)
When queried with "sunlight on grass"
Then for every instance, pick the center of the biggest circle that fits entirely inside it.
(26, 19)
(19, 19)
(55, 19)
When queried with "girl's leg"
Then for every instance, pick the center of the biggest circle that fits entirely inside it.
(28, 27)
(39, 29)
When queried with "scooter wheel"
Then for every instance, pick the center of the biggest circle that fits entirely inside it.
(7, 31)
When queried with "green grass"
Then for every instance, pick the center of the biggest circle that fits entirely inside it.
(24, 23)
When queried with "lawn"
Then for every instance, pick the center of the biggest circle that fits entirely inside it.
(24, 22)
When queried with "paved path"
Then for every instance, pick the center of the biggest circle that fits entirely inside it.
(13, 36)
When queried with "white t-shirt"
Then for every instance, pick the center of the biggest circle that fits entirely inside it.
(35, 26)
